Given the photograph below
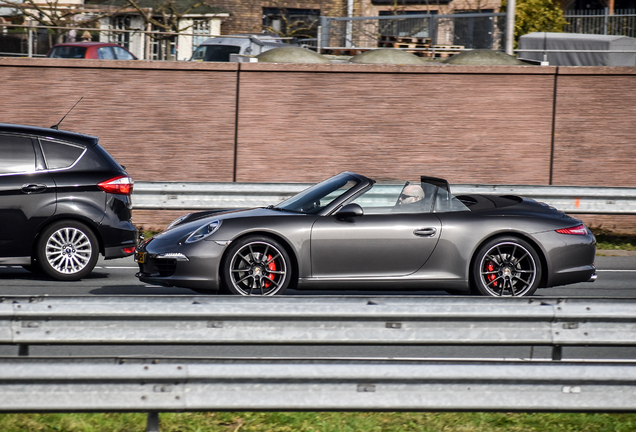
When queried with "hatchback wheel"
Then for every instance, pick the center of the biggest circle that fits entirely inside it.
(506, 267)
(257, 266)
(67, 250)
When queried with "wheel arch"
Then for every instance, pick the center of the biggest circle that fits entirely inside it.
(278, 238)
(538, 249)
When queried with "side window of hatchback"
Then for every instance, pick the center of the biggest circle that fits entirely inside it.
(105, 53)
(18, 155)
(60, 155)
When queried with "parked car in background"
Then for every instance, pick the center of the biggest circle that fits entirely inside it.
(219, 49)
(90, 50)
(350, 232)
(63, 201)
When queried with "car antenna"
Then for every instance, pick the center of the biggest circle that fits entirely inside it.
(69, 111)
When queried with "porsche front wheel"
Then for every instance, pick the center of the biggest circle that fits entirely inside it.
(257, 266)
(506, 267)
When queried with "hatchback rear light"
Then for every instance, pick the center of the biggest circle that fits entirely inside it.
(121, 185)
(577, 230)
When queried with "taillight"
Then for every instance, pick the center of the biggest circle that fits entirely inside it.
(122, 185)
(577, 230)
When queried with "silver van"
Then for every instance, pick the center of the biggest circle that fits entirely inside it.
(219, 49)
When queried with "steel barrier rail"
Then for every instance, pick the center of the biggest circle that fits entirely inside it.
(200, 196)
(56, 385)
(27, 320)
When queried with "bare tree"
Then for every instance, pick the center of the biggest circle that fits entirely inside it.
(56, 13)
(165, 17)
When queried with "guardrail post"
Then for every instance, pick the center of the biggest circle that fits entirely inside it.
(23, 350)
(152, 425)
(557, 352)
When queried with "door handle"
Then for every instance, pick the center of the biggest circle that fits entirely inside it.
(33, 188)
(425, 232)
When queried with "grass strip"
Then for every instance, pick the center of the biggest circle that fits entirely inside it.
(612, 241)
(322, 422)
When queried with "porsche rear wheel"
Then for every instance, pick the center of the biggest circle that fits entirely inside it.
(257, 266)
(506, 267)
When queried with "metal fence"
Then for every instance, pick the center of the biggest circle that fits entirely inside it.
(419, 33)
(621, 23)
(200, 196)
(316, 384)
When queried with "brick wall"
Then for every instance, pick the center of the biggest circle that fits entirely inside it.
(463, 123)
(179, 121)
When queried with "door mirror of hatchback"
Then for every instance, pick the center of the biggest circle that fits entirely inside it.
(349, 211)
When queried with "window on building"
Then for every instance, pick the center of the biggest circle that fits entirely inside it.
(288, 22)
(201, 31)
(121, 23)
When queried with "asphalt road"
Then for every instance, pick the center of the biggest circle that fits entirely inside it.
(616, 279)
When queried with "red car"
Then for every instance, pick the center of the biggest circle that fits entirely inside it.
(91, 50)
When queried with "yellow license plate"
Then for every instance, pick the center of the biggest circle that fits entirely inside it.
(140, 257)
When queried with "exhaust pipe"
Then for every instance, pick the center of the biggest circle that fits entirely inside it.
(593, 277)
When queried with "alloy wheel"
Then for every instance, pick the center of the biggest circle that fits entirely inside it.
(68, 250)
(508, 269)
(258, 268)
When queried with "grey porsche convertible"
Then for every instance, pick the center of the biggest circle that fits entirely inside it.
(351, 232)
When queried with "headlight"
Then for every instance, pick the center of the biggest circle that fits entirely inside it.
(178, 220)
(203, 232)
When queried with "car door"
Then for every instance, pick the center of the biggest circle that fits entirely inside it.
(373, 245)
(27, 196)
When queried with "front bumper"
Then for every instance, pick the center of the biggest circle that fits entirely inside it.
(194, 266)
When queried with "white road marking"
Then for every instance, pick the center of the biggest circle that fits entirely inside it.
(615, 270)
(111, 267)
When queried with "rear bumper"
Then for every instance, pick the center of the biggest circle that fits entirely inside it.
(569, 258)
(118, 251)
(117, 238)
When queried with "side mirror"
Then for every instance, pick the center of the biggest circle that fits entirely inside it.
(349, 211)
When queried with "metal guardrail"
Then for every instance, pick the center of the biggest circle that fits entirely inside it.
(352, 320)
(152, 385)
(54, 385)
(200, 196)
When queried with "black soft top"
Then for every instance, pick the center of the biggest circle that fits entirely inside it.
(488, 202)
(87, 140)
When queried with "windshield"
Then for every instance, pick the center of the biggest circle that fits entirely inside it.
(68, 52)
(316, 198)
(217, 53)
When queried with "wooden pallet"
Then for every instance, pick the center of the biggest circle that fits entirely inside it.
(401, 45)
(403, 40)
(444, 51)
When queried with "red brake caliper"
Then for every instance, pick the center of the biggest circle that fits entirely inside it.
(271, 266)
(491, 277)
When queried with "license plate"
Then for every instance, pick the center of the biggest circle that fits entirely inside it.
(140, 257)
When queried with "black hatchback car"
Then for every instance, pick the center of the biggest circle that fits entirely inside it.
(63, 201)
